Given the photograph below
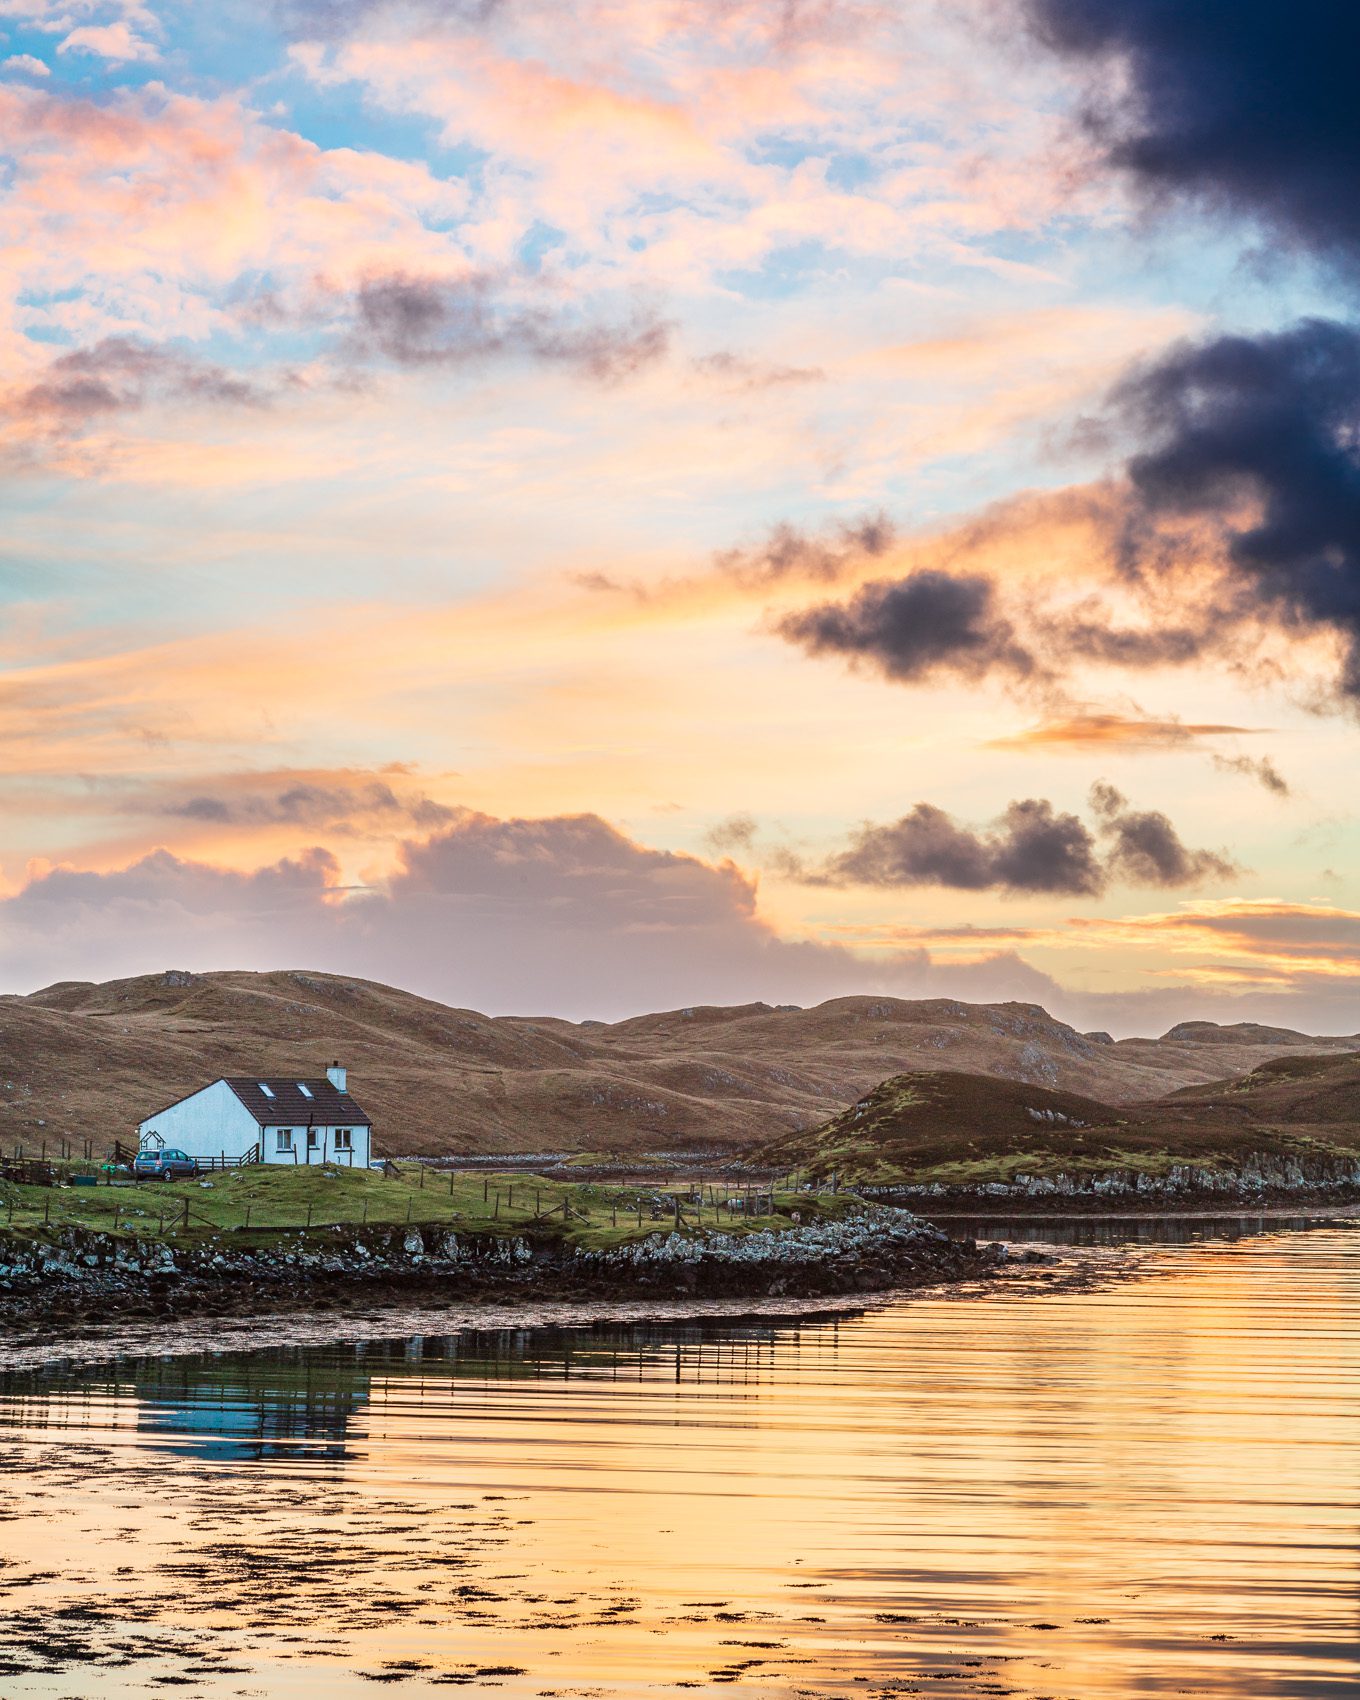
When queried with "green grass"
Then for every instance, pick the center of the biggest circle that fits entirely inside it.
(264, 1205)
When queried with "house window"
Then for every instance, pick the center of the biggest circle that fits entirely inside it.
(313, 1138)
(283, 1139)
(344, 1139)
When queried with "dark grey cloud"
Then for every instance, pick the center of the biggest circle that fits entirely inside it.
(423, 321)
(1254, 442)
(340, 809)
(911, 628)
(1032, 848)
(788, 552)
(1260, 437)
(1092, 639)
(1144, 848)
(1259, 768)
(736, 834)
(122, 375)
(1246, 107)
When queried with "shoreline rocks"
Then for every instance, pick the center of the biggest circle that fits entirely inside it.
(1260, 1179)
(83, 1278)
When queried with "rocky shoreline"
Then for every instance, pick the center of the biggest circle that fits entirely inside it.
(83, 1279)
(1253, 1183)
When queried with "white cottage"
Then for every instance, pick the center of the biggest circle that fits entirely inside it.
(266, 1121)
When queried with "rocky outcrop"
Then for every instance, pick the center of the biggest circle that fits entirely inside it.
(84, 1278)
(882, 1248)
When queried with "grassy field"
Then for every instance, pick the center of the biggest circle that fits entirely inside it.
(264, 1204)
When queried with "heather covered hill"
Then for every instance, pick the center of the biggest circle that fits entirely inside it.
(86, 1059)
(968, 1129)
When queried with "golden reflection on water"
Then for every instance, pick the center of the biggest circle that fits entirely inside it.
(1148, 1489)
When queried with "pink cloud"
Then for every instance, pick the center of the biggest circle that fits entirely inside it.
(590, 112)
(153, 205)
(117, 42)
(564, 915)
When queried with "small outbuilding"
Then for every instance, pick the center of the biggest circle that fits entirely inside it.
(241, 1120)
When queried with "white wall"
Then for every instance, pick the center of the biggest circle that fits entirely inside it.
(210, 1123)
(322, 1151)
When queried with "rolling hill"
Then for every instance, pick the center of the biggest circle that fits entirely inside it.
(959, 1129)
(82, 1060)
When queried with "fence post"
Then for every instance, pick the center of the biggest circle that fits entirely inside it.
(309, 1215)
(186, 1215)
(410, 1206)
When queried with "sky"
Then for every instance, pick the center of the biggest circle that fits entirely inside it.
(579, 510)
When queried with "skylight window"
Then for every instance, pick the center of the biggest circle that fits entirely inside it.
(305, 1090)
(267, 1090)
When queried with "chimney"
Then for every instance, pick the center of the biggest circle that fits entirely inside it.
(336, 1075)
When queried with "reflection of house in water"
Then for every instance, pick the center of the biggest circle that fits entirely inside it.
(319, 1403)
(261, 1405)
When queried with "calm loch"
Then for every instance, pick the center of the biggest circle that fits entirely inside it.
(1147, 1488)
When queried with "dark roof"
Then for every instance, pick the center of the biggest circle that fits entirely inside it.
(327, 1106)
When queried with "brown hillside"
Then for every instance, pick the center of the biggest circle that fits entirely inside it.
(85, 1060)
(965, 1128)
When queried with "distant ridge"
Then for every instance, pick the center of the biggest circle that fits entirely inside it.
(84, 1060)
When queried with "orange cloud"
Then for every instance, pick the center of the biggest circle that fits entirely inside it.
(1097, 731)
(1244, 939)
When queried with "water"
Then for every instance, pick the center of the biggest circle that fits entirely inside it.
(1150, 1488)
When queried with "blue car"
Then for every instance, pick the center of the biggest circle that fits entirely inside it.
(166, 1164)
